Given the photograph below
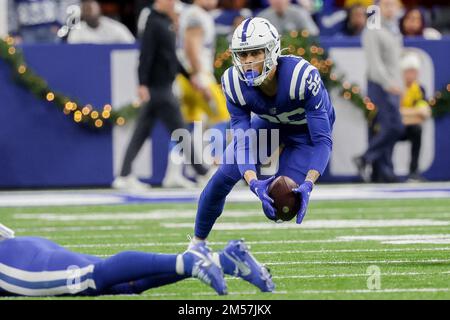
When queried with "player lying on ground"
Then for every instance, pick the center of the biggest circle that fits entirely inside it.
(31, 266)
(285, 93)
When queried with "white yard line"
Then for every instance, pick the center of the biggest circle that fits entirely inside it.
(300, 292)
(403, 239)
(191, 213)
(349, 262)
(266, 242)
(350, 251)
(322, 192)
(318, 224)
(175, 244)
(84, 228)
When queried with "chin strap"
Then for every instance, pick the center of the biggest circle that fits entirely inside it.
(251, 75)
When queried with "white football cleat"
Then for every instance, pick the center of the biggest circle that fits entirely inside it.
(129, 182)
(174, 177)
(174, 180)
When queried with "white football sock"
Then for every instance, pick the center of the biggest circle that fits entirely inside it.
(216, 259)
(179, 266)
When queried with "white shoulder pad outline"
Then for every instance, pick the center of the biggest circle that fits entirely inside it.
(226, 85)
(305, 76)
(294, 79)
(237, 86)
(232, 86)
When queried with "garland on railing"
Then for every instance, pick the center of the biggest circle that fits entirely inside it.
(301, 44)
(84, 114)
(297, 43)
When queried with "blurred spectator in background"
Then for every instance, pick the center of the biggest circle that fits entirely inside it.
(415, 110)
(229, 15)
(201, 96)
(382, 47)
(37, 21)
(142, 19)
(288, 17)
(96, 28)
(3, 18)
(356, 20)
(412, 24)
(158, 67)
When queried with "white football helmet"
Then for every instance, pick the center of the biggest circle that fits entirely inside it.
(252, 34)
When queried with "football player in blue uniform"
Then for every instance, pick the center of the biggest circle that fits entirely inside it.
(32, 266)
(283, 93)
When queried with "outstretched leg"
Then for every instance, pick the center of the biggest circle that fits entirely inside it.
(130, 266)
(212, 198)
(139, 286)
(134, 272)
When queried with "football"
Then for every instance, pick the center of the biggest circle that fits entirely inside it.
(286, 202)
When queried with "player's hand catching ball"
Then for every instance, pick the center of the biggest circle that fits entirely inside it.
(304, 191)
(259, 188)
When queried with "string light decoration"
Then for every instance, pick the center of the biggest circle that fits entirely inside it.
(83, 114)
(300, 43)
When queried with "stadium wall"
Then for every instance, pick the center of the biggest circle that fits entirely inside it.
(41, 147)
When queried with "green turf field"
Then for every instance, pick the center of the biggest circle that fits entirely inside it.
(326, 258)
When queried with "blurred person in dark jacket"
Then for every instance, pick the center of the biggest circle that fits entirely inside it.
(158, 67)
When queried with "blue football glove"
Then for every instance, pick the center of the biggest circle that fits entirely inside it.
(304, 191)
(259, 188)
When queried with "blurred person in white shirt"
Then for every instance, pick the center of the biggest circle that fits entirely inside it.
(96, 28)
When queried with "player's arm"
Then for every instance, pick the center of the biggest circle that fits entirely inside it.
(316, 109)
(240, 123)
(150, 40)
(316, 106)
(193, 46)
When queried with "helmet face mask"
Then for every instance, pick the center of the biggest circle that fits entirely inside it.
(250, 35)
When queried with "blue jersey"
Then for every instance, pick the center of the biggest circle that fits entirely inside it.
(301, 105)
(34, 266)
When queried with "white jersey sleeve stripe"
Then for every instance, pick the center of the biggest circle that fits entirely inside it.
(294, 79)
(41, 275)
(237, 87)
(226, 84)
(67, 289)
(303, 83)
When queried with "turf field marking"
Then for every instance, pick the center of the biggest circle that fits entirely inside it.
(355, 275)
(333, 251)
(437, 241)
(85, 228)
(402, 239)
(191, 213)
(343, 275)
(176, 244)
(352, 250)
(153, 215)
(403, 261)
(320, 224)
(116, 236)
(393, 290)
(240, 293)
